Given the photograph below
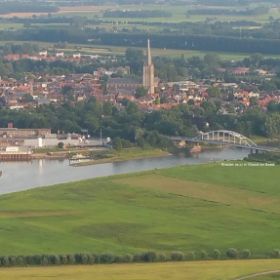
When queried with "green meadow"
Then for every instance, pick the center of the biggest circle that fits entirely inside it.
(186, 208)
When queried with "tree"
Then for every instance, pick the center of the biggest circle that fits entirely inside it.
(273, 107)
(135, 60)
(255, 59)
(60, 145)
(245, 254)
(141, 92)
(117, 144)
(212, 60)
(272, 125)
(68, 93)
(232, 253)
(214, 92)
(217, 254)
(177, 256)
(27, 98)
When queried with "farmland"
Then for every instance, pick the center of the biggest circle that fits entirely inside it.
(178, 13)
(90, 23)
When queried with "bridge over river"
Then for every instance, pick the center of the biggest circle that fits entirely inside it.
(226, 137)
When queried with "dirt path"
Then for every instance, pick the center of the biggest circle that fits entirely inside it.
(258, 274)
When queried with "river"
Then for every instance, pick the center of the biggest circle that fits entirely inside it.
(18, 176)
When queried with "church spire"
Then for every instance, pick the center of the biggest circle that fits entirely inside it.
(149, 53)
(148, 71)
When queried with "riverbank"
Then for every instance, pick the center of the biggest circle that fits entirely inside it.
(62, 153)
(110, 156)
(37, 173)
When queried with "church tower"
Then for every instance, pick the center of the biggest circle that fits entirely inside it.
(149, 72)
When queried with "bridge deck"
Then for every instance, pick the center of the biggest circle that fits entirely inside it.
(220, 142)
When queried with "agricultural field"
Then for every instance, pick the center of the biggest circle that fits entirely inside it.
(207, 270)
(10, 26)
(178, 13)
(188, 208)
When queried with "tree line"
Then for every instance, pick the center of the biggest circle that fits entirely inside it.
(27, 7)
(142, 128)
(143, 257)
(137, 14)
(130, 39)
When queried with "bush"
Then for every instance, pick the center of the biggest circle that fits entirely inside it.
(63, 259)
(60, 145)
(107, 258)
(127, 258)
(275, 253)
(70, 259)
(78, 258)
(232, 253)
(20, 260)
(35, 260)
(177, 256)
(5, 261)
(203, 255)
(137, 258)
(54, 259)
(91, 259)
(245, 254)
(162, 257)
(84, 259)
(119, 259)
(190, 256)
(217, 254)
(45, 260)
(149, 256)
(13, 261)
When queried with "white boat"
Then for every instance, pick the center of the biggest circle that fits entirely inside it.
(79, 158)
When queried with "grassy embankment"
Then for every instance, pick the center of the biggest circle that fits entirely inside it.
(188, 208)
(107, 156)
(214, 270)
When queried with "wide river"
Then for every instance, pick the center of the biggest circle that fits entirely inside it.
(18, 176)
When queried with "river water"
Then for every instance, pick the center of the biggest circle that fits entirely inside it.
(18, 176)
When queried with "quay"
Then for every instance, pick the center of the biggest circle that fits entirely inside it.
(15, 154)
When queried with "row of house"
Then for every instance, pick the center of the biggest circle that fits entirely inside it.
(50, 57)
(47, 89)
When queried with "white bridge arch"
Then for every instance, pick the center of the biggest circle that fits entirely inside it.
(225, 137)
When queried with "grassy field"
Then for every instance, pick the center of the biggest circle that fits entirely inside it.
(189, 208)
(211, 270)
